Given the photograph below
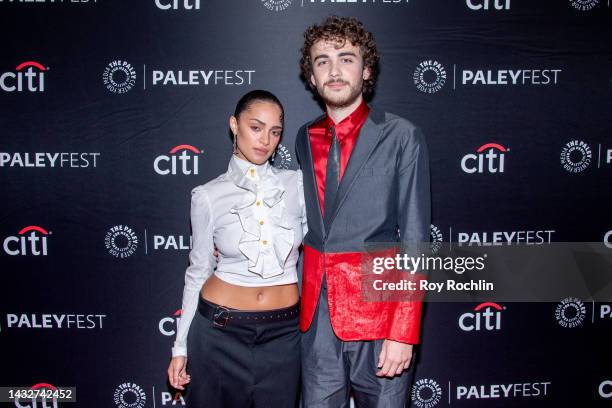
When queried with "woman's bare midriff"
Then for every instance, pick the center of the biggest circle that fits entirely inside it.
(222, 293)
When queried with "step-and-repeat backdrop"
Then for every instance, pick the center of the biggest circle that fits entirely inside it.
(111, 111)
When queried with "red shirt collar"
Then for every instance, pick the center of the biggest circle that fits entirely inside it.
(353, 121)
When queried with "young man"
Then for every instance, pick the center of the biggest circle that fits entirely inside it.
(366, 180)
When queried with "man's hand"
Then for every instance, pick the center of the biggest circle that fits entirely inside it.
(394, 358)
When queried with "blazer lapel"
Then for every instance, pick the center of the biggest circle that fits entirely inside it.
(368, 138)
(310, 183)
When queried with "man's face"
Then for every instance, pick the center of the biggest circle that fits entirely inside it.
(337, 73)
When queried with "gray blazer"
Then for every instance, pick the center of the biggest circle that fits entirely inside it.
(384, 194)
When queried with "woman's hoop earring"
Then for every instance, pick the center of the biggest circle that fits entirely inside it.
(273, 155)
(235, 145)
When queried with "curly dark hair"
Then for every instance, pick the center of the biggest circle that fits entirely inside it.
(341, 29)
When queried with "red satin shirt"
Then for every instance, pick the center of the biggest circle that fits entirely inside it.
(320, 141)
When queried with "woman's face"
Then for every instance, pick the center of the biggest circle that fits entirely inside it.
(258, 129)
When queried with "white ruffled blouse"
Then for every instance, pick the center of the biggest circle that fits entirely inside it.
(256, 218)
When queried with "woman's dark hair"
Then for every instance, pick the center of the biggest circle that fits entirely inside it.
(257, 95)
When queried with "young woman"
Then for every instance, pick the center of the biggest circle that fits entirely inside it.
(237, 342)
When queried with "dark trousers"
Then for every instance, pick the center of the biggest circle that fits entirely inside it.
(243, 365)
(332, 368)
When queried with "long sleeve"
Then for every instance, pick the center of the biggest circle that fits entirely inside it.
(201, 264)
(414, 204)
(302, 202)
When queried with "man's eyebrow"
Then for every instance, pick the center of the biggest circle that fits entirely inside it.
(321, 56)
(347, 53)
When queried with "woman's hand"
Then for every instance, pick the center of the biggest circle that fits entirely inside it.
(176, 372)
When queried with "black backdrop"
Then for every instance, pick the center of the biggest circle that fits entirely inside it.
(98, 99)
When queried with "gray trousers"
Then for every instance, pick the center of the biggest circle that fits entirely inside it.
(332, 368)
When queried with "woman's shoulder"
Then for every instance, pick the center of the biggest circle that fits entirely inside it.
(209, 188)
(288, 174)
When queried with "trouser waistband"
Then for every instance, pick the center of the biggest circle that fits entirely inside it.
(221, 316)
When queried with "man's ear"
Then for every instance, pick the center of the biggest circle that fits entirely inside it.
(312, 80)
(366, 73)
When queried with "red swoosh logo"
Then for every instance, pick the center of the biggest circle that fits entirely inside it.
(30, 64)
(43, 385)
(488, 304)
(33, 227)
(493, 145)
(184, 147)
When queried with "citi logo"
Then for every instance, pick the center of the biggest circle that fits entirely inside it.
(489, 158)
(486, 316)
(488, 4)
(29, 76)
(31, 240)
(178, 4)
(605, 389)
(180, 161)
(45, 402)
(167, 326)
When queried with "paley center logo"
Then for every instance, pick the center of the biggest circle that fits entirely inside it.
(426, 393)
(276, 5)
(121, 241)
(489, 158)
(129, 395)
(30, 240)
(486, 316)
(29, 76)
(430, 76)
(119, 76)
(178, 4)
(436, 238)
(282, 158)
(182, 159)
(488, 4)
(576, 156)
(167, 325)
(584, 5)
(570, 312)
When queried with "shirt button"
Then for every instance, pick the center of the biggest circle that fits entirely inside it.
(252, 171)
(261, 222)
(257, 202)
(264, 242)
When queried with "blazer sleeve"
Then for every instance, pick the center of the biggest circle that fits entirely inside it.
(414, 218)
(201, 265)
